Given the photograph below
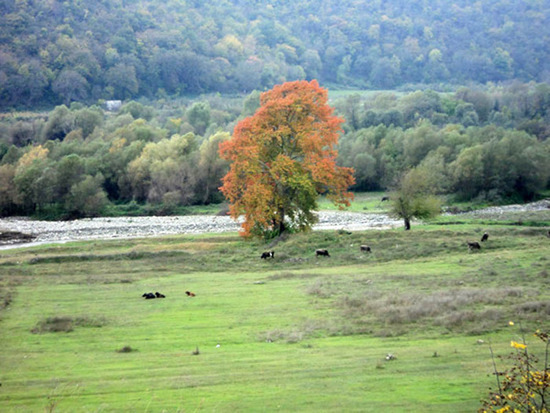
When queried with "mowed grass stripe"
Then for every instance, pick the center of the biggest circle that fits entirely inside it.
(298, 367)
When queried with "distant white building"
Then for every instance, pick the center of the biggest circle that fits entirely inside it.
(113, 105)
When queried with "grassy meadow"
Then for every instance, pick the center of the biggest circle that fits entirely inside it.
(293, 333)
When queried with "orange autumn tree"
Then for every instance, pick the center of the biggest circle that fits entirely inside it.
(282, 158)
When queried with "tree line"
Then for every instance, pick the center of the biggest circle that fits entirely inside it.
(56, 52)
(485, 144)
(81, 160)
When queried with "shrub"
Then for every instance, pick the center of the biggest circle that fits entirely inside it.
(54, 325)
(524, 387)
(64, 324)
(126, 349)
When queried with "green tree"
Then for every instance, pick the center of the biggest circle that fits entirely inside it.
(8, 191)
(212, 168)
(198, 116)
(122, 78)
(350, 108)
(71, 86)
(32, 181)
(163, 167)
(69, 171)
(87, 197)
(419, 142)
(414, 198)
(60, 122)
(137, 110)
(88, 119)
(467, 172)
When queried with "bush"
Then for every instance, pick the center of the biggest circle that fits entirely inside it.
(64, 324)
(126, 349)
(524, 387)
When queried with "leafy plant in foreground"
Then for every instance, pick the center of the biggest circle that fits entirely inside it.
(525, 387)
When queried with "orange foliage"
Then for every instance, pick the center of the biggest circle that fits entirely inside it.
(282, 157)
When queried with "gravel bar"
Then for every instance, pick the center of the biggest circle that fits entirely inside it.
(132, 227)
(137, 227)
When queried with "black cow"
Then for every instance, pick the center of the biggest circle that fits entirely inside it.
(474, 246)
(385, 198)
(365, 248)
(268, 254)
(321, 252)
(149, 296)
(159, 295)
(484, 237)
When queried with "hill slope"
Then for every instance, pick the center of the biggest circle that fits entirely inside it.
(57, 51)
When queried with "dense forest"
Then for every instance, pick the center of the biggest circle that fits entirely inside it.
(56, 52)
(460, 90)
(486, 145)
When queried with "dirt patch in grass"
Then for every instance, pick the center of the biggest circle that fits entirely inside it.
(6, 297)
(295, 334)
(534, 309)
(65, 324)
(470, 311)
(291, 275)
(14, 237)
(132, 255)
(126, 349)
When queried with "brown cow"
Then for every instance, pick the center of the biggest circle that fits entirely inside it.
(190, 294)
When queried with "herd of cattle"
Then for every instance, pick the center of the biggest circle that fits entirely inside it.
(365, 248)
(475, 245)
(149, 296)
(324, 253)
(318, 252)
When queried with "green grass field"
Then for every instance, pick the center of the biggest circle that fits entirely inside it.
(296, 333)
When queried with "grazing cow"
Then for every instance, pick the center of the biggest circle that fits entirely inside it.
(485, 237)
(190, 294)
(385, 198)
(474, 246)
(159, 295)
(268, 254)
(148, 296)
(365, 248)
(322, 253)
(548, 234)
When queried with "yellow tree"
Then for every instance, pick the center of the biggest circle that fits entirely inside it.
(282, 158)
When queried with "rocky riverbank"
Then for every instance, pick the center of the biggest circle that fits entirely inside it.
(132, 227)
(40, 232)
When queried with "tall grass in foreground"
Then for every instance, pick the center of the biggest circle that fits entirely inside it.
(293, 333)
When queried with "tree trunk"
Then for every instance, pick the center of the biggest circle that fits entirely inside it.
(407, 224)
(282, 227)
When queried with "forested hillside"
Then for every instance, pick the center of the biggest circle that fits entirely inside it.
(54, 52)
